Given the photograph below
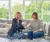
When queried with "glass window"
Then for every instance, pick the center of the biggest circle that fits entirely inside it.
(26, 7)
(46, 14)
(46, 6)
(29, 8)
(39, 8)
(4, 9)
(16, 6)
(46, 18)
(32, 6)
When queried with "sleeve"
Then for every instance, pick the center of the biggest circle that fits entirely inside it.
(14, 24)
(12, 30)
(41, 25)
(21, 26)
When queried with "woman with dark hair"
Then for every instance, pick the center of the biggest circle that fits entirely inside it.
(35, 27)
(17, 27)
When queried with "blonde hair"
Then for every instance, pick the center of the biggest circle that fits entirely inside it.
(18, 12)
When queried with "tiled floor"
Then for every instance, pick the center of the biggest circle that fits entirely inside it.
(23, 40)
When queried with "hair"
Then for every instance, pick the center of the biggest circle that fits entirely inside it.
(36, 14)
(18, 12)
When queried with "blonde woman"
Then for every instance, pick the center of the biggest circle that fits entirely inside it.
(16, 29)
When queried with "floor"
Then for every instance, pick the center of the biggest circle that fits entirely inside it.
(24, 40)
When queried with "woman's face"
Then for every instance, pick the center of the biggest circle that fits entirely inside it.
(34, 17)
(18, 16)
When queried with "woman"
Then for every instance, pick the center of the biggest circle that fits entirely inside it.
(36, 27)
(16, 29)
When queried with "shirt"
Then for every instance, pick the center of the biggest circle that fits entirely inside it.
(35, 25)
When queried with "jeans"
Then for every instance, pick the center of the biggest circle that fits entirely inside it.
(32, 35)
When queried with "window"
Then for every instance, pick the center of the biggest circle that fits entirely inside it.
(46, 9)
(39, 8)
(16, 6)
(8, 9)
(29, 8)
(4, 9)
(42, 7)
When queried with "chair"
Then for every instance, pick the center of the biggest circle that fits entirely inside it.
(47, 28)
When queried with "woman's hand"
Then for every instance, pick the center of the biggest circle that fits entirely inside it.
(38, 30)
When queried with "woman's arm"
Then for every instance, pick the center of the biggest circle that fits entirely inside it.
(13, 28)
(41, 26)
